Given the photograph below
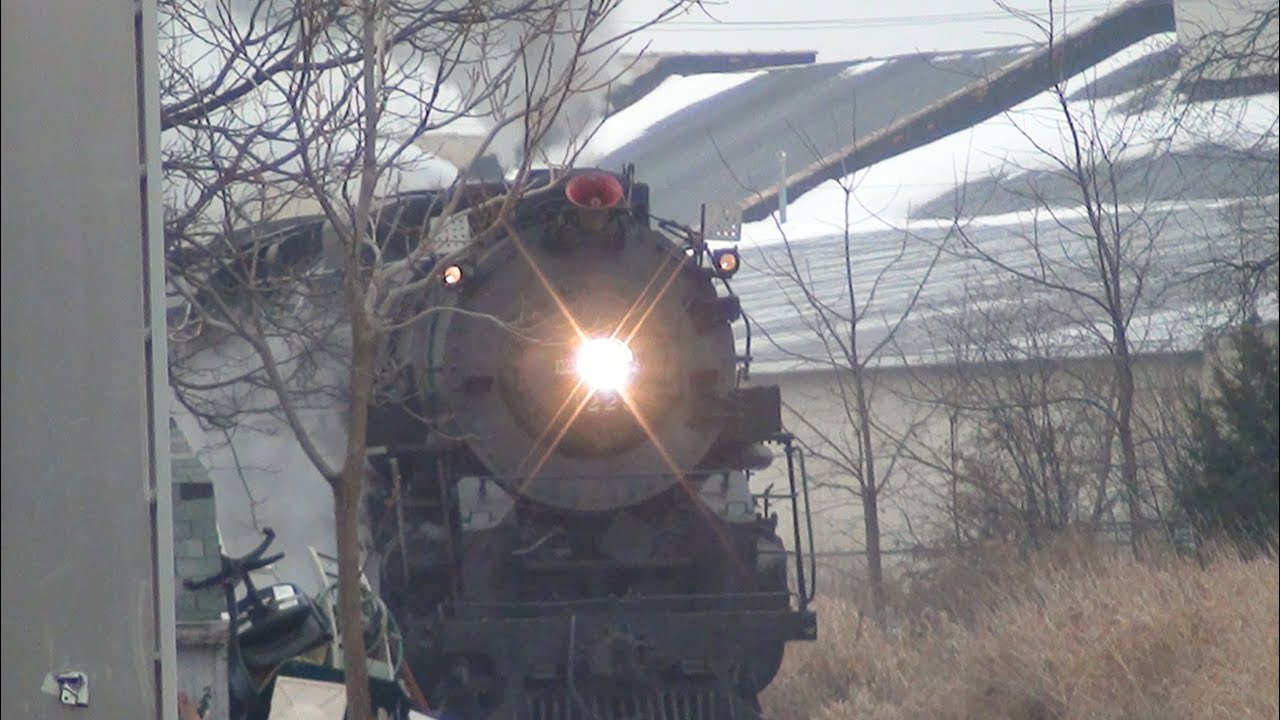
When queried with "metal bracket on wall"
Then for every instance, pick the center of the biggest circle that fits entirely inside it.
(71, 687)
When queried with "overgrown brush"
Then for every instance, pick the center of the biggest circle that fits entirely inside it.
(1059, 636)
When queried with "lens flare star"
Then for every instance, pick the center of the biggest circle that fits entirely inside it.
(605, 364)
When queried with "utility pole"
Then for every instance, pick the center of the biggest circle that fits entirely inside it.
(782, 186)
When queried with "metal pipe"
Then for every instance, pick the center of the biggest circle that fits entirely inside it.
(782, 186)
(808, 517)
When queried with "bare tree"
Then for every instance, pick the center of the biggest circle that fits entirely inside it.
(847, 330)
(1097, 276)
(275, 108)
(1028, 451)
(1230, 46)
(1108, 250)
(1232, 55)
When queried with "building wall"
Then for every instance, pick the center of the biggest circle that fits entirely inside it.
(84, 498)
(202, 667)
(914, 437)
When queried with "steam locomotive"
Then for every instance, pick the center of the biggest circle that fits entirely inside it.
(566, 457)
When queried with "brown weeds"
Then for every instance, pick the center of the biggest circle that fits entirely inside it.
(1059, 636)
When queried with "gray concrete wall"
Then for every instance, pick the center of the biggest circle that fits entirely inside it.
(913, 436)
(81, 561)
(202, 667)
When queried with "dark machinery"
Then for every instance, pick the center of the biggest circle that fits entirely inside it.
(565, 463)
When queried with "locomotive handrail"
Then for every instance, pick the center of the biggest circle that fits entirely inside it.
(686, 233)
(801, 586)
(808, 514)
(804, 590)
(745, 358)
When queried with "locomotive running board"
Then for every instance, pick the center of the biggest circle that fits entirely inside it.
(694, 702)
(545, 632)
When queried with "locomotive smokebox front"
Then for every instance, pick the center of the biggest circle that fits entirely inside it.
(577, 354)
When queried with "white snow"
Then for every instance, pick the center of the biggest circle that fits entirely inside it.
(864, 67)
(673, 95)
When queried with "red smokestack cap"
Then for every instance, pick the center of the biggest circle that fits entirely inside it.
(594, 191)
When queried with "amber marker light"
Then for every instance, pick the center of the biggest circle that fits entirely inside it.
(452, 275)
(726, 262)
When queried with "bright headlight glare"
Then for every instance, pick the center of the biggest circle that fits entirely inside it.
(604, 364)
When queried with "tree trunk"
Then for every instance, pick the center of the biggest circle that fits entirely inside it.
(875, 569)
(350, 489)
(1124, 429)
(870, 484)
(870, 498)
(346, 501)
(347, 496)
(953, 462)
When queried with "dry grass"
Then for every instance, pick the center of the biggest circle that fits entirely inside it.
(1067, 635)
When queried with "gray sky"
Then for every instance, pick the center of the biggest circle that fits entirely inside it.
(850, 29)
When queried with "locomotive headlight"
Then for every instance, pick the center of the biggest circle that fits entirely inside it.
(604, 364)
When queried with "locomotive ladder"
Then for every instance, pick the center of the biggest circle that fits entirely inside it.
(797, 495)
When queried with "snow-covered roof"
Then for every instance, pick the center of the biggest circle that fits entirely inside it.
(960, 306)
(716, 138)
(670, 97)
(1196, 186)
